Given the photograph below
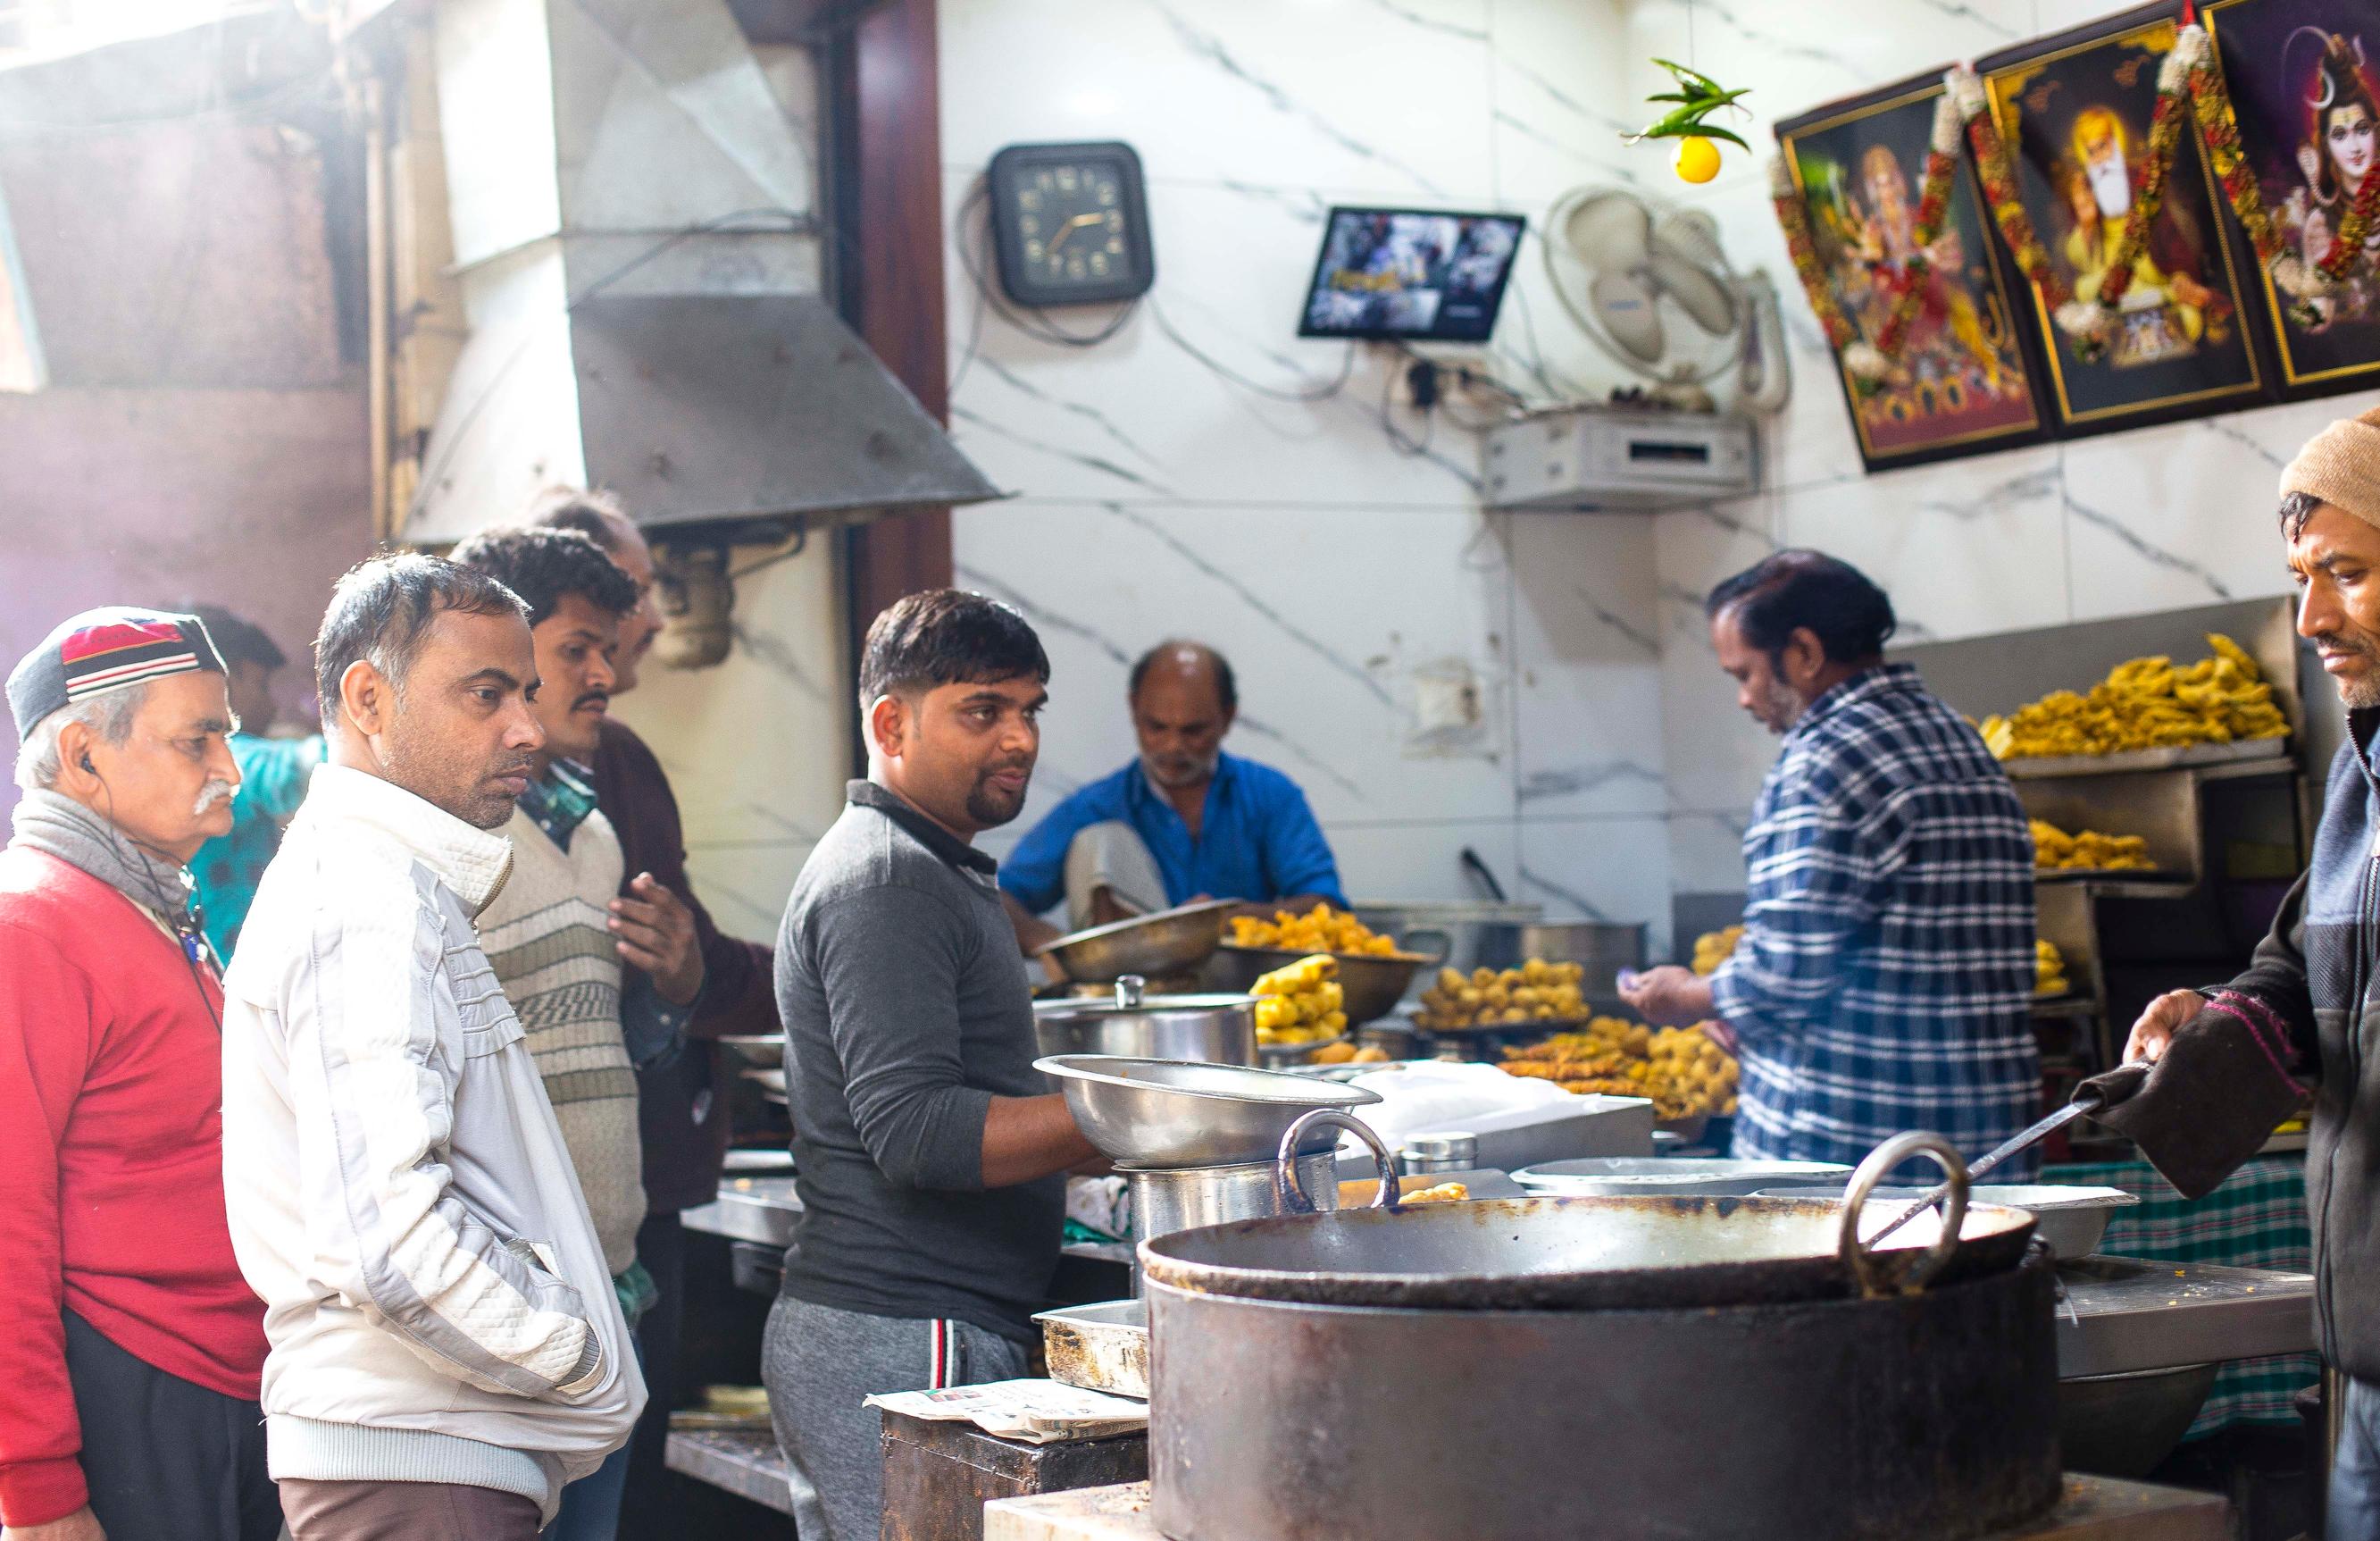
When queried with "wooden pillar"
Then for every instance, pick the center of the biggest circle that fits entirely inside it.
(884, 154)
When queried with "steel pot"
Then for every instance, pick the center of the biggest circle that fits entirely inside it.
(1214, 1030)
(1465, 933)
(1166, 1113)
(1933, 1415)
(1282, 1409)
(1170, 1199)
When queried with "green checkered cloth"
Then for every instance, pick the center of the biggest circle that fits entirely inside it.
(2257, 1219)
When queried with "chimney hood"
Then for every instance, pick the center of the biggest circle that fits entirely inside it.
(635, 232)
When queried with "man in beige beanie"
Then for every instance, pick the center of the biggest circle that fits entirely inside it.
(2308, 995)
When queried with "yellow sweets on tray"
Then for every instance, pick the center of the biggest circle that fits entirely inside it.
(2048, 970)
(1682, 1069)
(1320, 929)
(1537, 991)
(1714, 948)
(1303, 1003)
(2146, 703)
(2088, 850)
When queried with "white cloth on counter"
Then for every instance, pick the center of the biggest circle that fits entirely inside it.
(1100, 1203)
(1435, 1098)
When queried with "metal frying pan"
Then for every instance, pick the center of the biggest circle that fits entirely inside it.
(1579, 1253)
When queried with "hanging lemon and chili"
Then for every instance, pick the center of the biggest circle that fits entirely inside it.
(1688, 121)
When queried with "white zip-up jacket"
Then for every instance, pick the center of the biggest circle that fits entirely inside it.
(399, 1194)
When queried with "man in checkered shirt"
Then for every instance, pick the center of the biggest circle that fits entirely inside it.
(1886, 972)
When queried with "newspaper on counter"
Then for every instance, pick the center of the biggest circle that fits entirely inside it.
(1039, 1411)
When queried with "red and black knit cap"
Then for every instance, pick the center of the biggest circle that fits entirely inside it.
(109, 649)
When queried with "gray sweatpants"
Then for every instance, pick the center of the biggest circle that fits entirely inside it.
(819, 1365)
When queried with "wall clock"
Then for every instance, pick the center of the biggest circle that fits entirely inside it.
(1070, 224)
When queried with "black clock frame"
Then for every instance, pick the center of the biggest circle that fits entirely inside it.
(1018, 278)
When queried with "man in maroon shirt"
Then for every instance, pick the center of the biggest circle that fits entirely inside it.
(681, 1099)
(130, 1347)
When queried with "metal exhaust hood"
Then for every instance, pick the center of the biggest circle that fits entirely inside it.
(632, 210)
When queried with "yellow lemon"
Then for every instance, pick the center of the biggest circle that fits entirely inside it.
(1697, 159)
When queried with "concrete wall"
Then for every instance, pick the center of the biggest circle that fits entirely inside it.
(195, 280)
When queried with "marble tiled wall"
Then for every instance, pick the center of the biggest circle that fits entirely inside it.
(1353, 581)
(2147, 520)
(1343, 572)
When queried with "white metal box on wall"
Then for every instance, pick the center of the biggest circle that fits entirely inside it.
(1618, 459)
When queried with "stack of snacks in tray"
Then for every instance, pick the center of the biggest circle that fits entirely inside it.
(1537, 991)
(1320, 929)
(1681, 1069)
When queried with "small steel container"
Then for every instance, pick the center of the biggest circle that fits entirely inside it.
(1209, 1029)
(1168, 1199)
(1439, 1153)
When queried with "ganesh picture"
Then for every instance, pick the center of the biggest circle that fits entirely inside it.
(1956, 374)
(2077, 120)
(2302, 79)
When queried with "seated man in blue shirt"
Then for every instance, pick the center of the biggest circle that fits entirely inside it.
(1184, 822)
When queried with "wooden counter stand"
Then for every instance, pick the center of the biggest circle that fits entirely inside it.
(938, 1476)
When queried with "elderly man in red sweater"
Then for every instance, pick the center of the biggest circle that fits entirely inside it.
(130, 1347)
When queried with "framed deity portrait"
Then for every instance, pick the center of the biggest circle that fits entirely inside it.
(2303, 77)
(1961, 377)
(2188, 336)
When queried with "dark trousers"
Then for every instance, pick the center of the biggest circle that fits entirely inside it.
(404, 1512)
(644, 1508)
(165, 1460)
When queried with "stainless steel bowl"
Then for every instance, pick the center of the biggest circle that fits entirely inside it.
(1674, 1177)
(1168, 942)
(1214, 1030)
(1165, 1113)
(2071, 1219)
(1374, 982)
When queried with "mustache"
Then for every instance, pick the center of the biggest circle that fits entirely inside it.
(2338, 642)
(216, 791)
(519, 766)
(593, 698)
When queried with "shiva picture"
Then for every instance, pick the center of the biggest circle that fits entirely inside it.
(2303, 85)
(1959, 382)
(2076, 120)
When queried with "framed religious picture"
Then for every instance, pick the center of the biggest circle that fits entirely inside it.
(1941, 305)
(2140, 322)
(2305, 85)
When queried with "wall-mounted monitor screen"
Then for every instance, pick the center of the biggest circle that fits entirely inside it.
(1410, 274)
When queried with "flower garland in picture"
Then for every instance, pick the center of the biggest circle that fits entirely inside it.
(1964, 88)
(1794, 219)
(2081, 319)
(1869, 363)
(2218, 127)
(1933, 204)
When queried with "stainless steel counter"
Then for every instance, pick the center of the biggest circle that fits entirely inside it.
(2122, 1315)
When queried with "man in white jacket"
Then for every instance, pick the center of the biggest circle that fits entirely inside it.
(446, 1348)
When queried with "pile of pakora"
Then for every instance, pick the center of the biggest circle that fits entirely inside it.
(2146, 703)
(1681, 1069)
(1537, 991)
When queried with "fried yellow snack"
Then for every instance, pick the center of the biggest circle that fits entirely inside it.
(2048, 970)
(1714, 948)
(2054, 849)
(1320, 929)
(2146, 703)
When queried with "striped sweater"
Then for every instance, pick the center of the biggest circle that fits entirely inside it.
(544, 936)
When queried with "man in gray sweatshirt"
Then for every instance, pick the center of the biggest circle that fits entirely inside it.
(930, 1160)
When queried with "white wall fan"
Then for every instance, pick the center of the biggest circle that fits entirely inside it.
(1651, 286)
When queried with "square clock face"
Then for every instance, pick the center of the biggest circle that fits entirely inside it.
(1070, 224)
